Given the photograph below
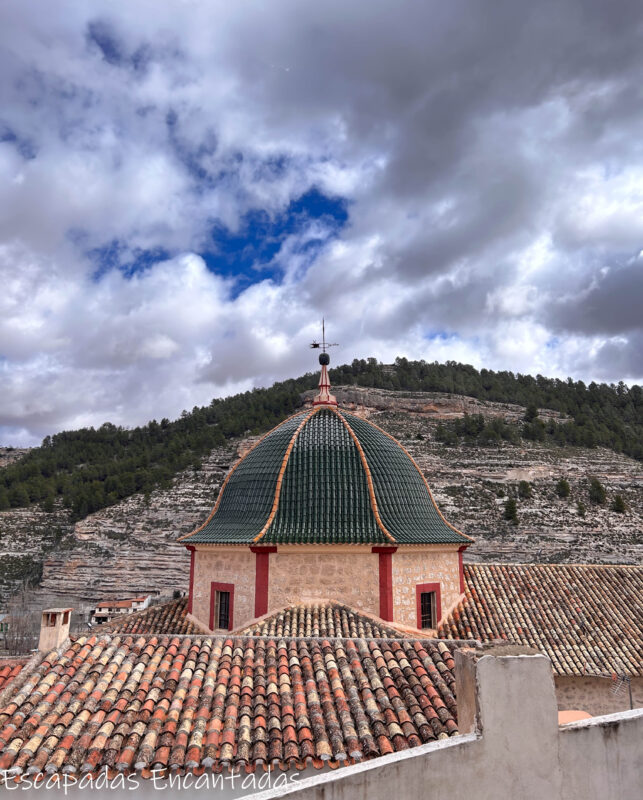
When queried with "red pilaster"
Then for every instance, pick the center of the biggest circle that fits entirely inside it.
(461, 566)
(262, 576)
(386, 581)
(191, 548)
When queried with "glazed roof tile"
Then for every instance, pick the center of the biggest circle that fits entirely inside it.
(326, 476)
(163, 618)
(587, 618)
(136, 703)
(321, 619)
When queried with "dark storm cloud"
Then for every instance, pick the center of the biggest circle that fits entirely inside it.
(608, 303)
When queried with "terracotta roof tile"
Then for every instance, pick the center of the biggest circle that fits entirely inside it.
(8, 671)
(190, 702)
(321, 619)
(164, 618)
(586, 618)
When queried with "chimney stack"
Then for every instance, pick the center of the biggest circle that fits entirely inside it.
(54, 628)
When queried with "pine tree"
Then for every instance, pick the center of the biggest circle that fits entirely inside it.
(18, 496)
(580, 507)
(4, 500)
(524, 490)
(597, 492)
(562, 488)
(511, 511)
(531, 412)
(618, 504)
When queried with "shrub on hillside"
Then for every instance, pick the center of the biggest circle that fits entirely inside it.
(597, 492)
(562, 488)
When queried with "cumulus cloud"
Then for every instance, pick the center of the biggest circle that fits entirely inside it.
(487, 158)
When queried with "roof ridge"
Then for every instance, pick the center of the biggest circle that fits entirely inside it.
(369, 477)
(232, 471)
(424, 480)
(511, 564)
(280, 477)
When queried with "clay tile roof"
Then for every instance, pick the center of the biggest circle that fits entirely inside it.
(164, 618)
(9, 669)
(321, 619)
(135, 703)
(586, 618)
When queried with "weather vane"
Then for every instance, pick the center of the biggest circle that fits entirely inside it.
(323, 345)
(324, 398)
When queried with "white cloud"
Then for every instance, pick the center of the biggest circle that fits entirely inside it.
(488, 165)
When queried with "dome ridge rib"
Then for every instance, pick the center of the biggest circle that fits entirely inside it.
(369, 477)
(424, 480)
(282, 469)
(233, 470)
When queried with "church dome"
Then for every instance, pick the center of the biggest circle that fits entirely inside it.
(325, 476)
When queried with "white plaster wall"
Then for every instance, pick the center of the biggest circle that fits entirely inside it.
(517, 751)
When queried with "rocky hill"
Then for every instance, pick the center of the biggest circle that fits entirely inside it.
(131, 547)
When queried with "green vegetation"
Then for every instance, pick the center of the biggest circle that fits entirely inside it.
(618, 505)
(511, 511)
(562, 488)
(580, 507)
(597, 492)
(524, 490)
(531, 413)
(473, 429)
(92, 468)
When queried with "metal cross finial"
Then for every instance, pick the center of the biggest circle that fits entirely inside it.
(323, 345)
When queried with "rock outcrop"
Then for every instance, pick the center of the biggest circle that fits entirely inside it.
(131, 548)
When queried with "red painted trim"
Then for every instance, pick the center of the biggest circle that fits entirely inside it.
(428, 587)
(262, 572)
(191, 548)
(461, 566)
(386, 586)
(386, 579)
(221, 587)
(257, 548)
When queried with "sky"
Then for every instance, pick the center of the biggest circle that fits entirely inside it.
(187, 187)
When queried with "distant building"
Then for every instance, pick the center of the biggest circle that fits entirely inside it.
(106, 610)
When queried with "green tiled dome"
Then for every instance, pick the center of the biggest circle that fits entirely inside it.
(326, 476)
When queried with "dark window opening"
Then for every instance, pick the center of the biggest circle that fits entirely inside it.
(427, 610)
(222, 610)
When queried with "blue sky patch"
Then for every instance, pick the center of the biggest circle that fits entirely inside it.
(115, 255)
(248, 255)
(26, 148)
(101, 34)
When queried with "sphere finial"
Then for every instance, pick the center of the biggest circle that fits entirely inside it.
(324, 398)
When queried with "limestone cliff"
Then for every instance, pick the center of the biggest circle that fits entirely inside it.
(131, 547)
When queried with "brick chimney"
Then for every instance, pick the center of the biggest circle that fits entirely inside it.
(54, 628)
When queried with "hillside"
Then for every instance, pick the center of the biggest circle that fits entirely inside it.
(131, 546)
(90, 469)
